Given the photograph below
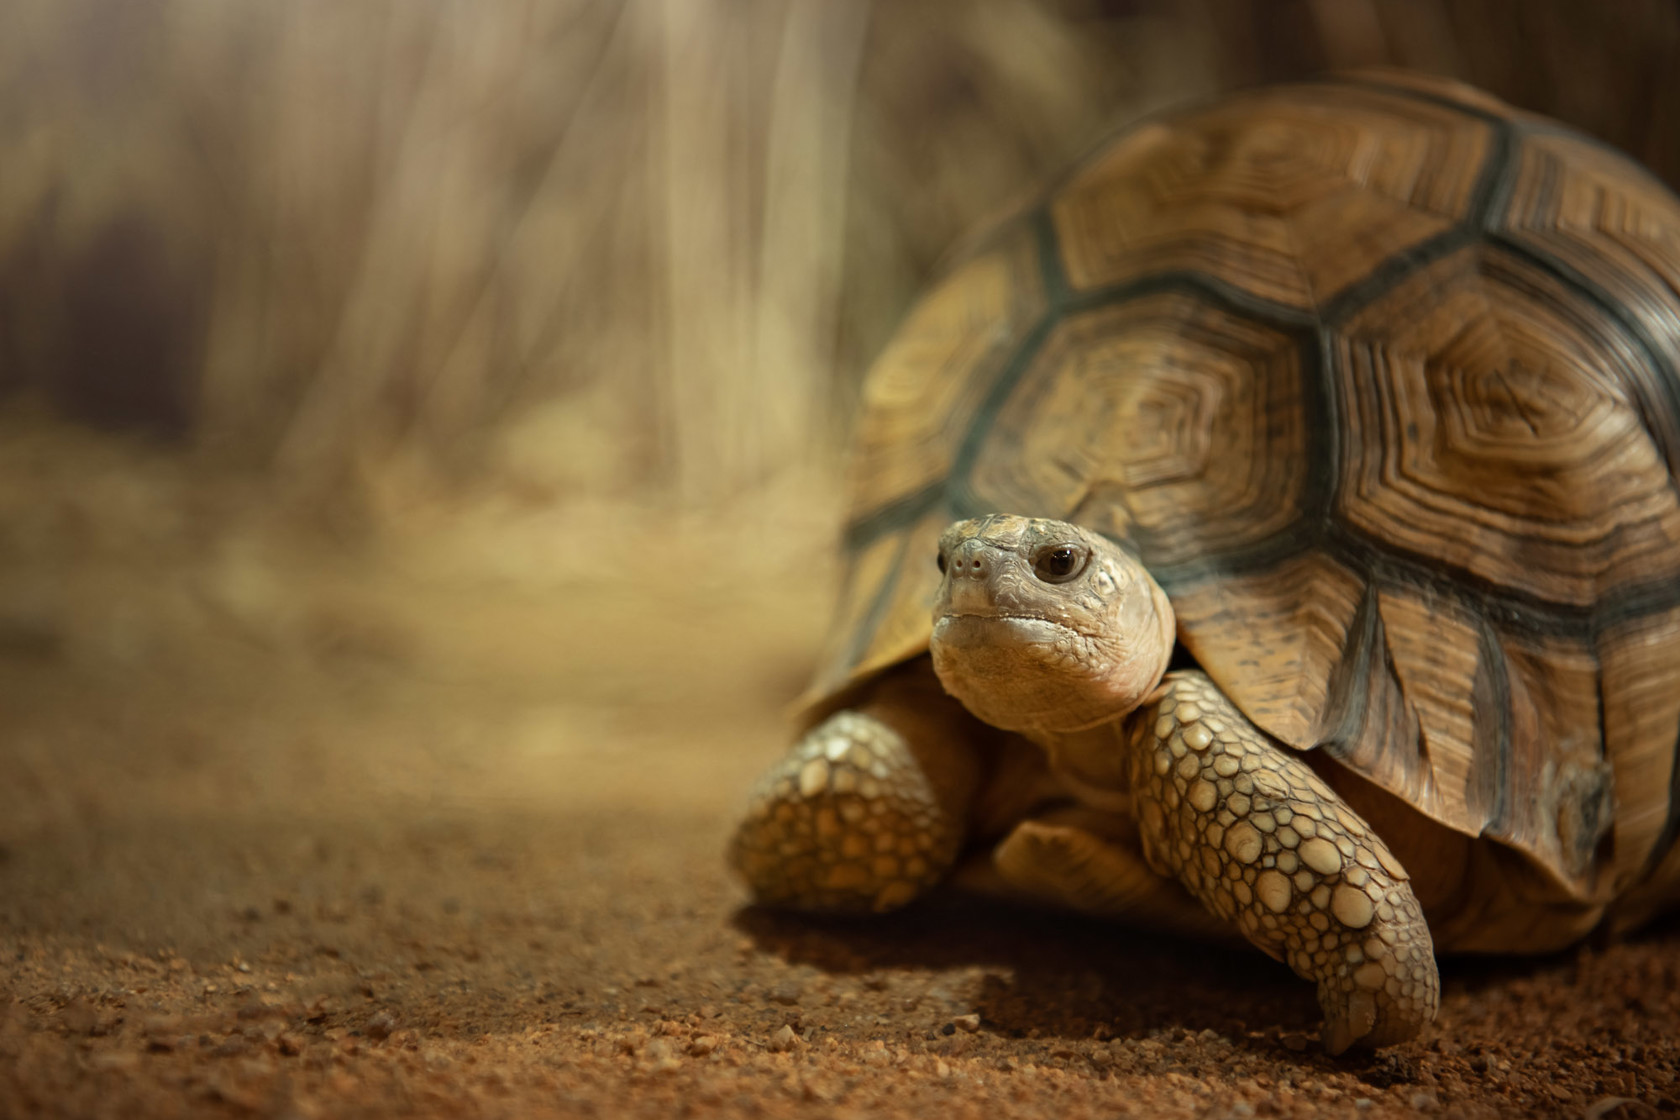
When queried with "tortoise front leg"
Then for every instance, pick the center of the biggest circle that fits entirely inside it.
(1251, 831)
(869, 808)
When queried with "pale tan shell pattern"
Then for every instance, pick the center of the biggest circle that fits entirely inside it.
(1378, 377)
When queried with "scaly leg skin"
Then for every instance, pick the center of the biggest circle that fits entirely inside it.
(1251, 831)
(868, 809)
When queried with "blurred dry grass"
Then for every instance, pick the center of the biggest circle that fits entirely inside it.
(592, 247)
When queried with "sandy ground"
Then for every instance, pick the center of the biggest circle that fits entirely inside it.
(290, 831)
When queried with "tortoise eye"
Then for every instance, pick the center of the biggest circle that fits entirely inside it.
(940, 560)
(1059, 563)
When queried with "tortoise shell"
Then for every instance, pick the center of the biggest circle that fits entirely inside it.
(1378, 378)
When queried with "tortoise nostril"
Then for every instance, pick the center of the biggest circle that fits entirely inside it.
(972, 561)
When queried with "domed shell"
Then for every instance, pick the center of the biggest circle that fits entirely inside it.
(1378, 377)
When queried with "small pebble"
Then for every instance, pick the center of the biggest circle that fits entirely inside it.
(231, 1047)
(79, 1017)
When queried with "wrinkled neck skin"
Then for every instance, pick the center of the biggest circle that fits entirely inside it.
(1057, 657)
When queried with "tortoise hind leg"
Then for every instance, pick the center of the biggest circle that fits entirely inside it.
(869, 808)
(1078, 859)
(1257, 836)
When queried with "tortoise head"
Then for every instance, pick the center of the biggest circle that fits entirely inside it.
(1042, 626)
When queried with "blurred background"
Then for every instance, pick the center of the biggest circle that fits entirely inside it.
(421, 442)
(439, 402)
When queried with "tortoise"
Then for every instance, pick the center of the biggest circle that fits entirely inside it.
(1275, 532)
